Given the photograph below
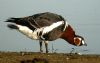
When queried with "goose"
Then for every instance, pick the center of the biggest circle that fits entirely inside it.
(46, 27)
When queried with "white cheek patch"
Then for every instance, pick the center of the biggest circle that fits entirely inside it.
(83, 42)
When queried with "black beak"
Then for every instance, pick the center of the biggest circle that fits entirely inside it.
(85, 44)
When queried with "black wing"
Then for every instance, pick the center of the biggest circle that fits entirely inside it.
(37, 20)
(46, 19)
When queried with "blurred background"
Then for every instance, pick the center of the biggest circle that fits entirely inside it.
(83, 15)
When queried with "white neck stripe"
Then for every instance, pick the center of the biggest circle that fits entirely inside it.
(66, 25)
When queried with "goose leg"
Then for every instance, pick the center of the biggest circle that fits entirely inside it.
(46, 46)
(41, 47)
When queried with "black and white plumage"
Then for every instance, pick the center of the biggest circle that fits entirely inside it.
(39, 26)
(45, 27)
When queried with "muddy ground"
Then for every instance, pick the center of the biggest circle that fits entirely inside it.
(15, 57)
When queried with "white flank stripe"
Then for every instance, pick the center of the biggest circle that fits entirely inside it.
(28, 32)
(51, 27)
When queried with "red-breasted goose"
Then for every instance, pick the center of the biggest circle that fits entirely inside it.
(46, 27)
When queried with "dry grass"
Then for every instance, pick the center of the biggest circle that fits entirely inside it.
(13, 57)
